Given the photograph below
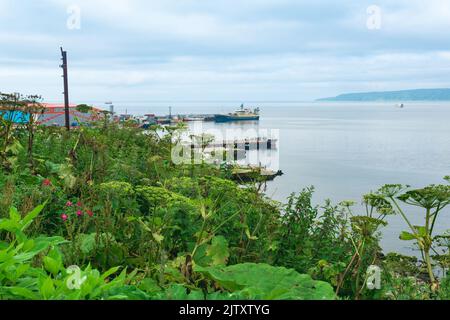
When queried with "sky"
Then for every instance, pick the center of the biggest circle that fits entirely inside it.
(222, 50)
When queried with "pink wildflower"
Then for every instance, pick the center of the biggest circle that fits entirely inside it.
(79, 213)
(89, 213)
(46, 183)
(64, 217)
(69, 204)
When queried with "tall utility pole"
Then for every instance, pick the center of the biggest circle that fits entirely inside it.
(66, 88)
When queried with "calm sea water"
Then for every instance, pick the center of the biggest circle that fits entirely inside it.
(345, 150)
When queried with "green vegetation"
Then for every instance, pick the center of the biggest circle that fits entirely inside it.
(101, 212)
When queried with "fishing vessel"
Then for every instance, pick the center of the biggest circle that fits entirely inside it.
(251, 173)
(243, 114)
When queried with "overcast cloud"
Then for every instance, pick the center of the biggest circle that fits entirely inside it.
(222, 49)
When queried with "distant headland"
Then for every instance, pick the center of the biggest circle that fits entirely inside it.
(403, 95)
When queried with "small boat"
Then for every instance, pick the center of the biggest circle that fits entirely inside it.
(247, 174)
(243, 114)
(400, 105)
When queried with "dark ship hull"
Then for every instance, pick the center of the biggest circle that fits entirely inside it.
(230, 118)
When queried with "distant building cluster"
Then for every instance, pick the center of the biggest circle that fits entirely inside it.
(54, 115)
(48, 114)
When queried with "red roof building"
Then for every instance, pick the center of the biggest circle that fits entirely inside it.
(54, 115)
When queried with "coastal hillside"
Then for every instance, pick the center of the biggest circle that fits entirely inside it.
(404, 95)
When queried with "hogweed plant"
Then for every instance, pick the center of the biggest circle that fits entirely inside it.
(18, 112)
(433, 200)
(364, 237)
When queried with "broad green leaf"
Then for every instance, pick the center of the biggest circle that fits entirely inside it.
(264, 282)
(422, 231)
(51, 241)
(41, 244)
(110, 272)
(406, 236)
(14, 215)
(23, 293)
(200, 256)
(149, 285)
(175, 292)
(47, 288)
(51, 265)
(21, 270)
(28, 245)
(9, 225)
(32, 215)
(218, 251)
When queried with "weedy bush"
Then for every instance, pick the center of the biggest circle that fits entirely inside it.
(309, 240)
(32, 268)
(433, 200)
(20, 279)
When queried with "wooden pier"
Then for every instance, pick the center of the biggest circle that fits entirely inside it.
(246, 144)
